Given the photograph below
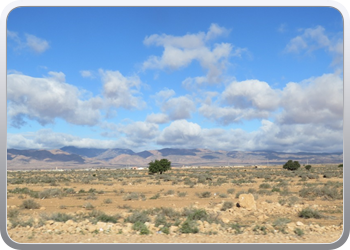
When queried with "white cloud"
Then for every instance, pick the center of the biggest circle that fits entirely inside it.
(181, 133)
(179, 108)
(163, 95)
(44, 99)
(158, 118)
(315, 38)
(86, 74)
(140, 132)
(251, 94)
(121, 91)
(36, 44)
(246, 100)
(216, 31)
(314, 101)
(228, 115)
(47, 139)
(180, 51)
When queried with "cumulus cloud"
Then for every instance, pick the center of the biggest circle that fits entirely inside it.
(314, 101)
(246, 100)
(180, 51)
(181, 133)
(315, 38)
(31, 42)
(140, 132)
(157, 118)
(251, 93)
(297, 137)
(121, 91)
(163, 95)
(179, 108)
(229, 115)
(47, 98)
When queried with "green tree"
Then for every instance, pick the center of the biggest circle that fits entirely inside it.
(340, 165)
(159, 166)
(308, 167)
(291, 165)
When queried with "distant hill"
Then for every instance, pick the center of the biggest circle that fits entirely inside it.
(74, 157)
(43, 155)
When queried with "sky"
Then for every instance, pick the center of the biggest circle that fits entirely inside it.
(143, 78)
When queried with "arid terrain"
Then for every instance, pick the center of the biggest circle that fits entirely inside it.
(183, 205)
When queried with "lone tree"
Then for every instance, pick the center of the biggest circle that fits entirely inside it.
(291, 165)
(159, 166)
(308, 167)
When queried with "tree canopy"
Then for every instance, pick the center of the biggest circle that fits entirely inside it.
(291, 165)
(159, 166)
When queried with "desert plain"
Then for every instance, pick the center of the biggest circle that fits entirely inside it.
(183, 205)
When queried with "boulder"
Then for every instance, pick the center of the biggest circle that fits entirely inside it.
(246, 201)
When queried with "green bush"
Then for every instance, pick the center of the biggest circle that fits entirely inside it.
(226, 205)
(291, 165)
(308, 167)
(309, 213)
(265, 185)
(230, 190)
(189, 226)
(30, 204)
(205, 194)
(236, 227)
(299, 232)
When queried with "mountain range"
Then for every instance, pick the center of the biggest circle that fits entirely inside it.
(74, 157)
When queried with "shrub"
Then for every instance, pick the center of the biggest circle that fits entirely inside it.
(30, 204)
(299, 232)
(197, 214)
(205, 194)
(236, 227)
(265, 185)
(189, 226)
(12, 213)
(160, 220)
(222, 195)
(226, 205)
(230, 190)
(182, 194)
(60, 217)
(324, 192)
(309, 213)
(308, 167)
(131, 196)
(88, 206)
(156, 196)
(107, 201)
(280, 224)
(291, 165)
(165, 230)
(138, 216)
(340, 165)
(107, 218)
(169, 192)
(260, 229)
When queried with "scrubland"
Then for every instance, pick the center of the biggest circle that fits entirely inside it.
(197, 205)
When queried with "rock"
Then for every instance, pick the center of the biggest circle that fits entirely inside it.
(42, 208)
(299, 223)
(246, 201)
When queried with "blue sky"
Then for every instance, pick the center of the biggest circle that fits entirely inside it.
(233, 78)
